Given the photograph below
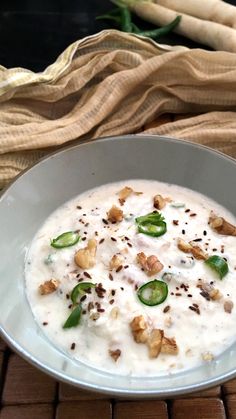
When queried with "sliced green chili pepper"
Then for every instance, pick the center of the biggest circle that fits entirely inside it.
(152, 224)
(156, 33)
(112, 15)
(74, 318)
(218, 264)
(80, 289)
(65, 240)
(153, 293)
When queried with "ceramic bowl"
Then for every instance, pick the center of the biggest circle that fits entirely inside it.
(34, 195)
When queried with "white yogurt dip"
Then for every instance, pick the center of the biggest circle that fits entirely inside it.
(198, 311)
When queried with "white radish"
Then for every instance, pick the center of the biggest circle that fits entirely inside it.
(214, 10)
(215, 35)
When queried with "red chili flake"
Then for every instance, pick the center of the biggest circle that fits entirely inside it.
(45, 323)
(167, 308)
(72, 346)
(104, 221)
(112, 301)
(129, 244)
(110, 277)
(87, 275)
(175, 222)
(119, 268)
(113, 239)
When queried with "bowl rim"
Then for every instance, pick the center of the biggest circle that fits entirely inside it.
(167, 393)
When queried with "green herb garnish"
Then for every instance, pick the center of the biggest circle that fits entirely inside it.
(152, 224)
(65, 240)
(153, 293)
(80, 289)
(218, 264)
(74, 318)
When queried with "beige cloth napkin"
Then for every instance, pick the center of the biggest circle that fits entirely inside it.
(114, 83)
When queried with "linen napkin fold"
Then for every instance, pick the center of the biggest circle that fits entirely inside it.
(115, 83)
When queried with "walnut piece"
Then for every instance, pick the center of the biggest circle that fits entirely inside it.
(196, 251)
(115, 354)
(125, 193)
(184, 246)
(49, 286)
(154, 338)
(86, 258)
(139, 329)
(116, 261)
(221, 226)
(169, 346)
(115, 215)
(159, 202)
(155, 342)
(150, 264)
(215, 294)
(228, 306)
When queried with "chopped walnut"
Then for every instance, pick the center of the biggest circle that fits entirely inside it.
(159, 202)
(85, 258)
(155, 342)
(169, 346)
(49, 286)
(207, 356)
(115, 262)
(125, 193)
(184, 246)
(228, 306)
(221, 226)
(115, 354)
(150, 264)
(115, 215)
(215, 294)
(139, 329)
(196, 251)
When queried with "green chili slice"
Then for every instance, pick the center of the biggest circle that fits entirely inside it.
(65, 240)
(74, 318)
(218, 264)
(152, 224)
(153, 293)
(80, 289)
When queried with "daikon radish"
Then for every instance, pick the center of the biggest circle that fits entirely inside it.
(215, 10)
(215, 35)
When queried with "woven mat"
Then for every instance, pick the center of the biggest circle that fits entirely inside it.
(27, 393)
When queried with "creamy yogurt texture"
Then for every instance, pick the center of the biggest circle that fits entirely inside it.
(104, 327)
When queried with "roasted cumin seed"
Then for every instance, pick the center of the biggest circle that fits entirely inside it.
(101, 241)
(119, 268)
(104, 221)
(110, 277)
(129, 244)
(87, 275)
(196, 309)
(113, 239)
(45, 323)
(175, 222)
(72, 346)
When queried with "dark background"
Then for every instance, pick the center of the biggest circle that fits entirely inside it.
(33, 33)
